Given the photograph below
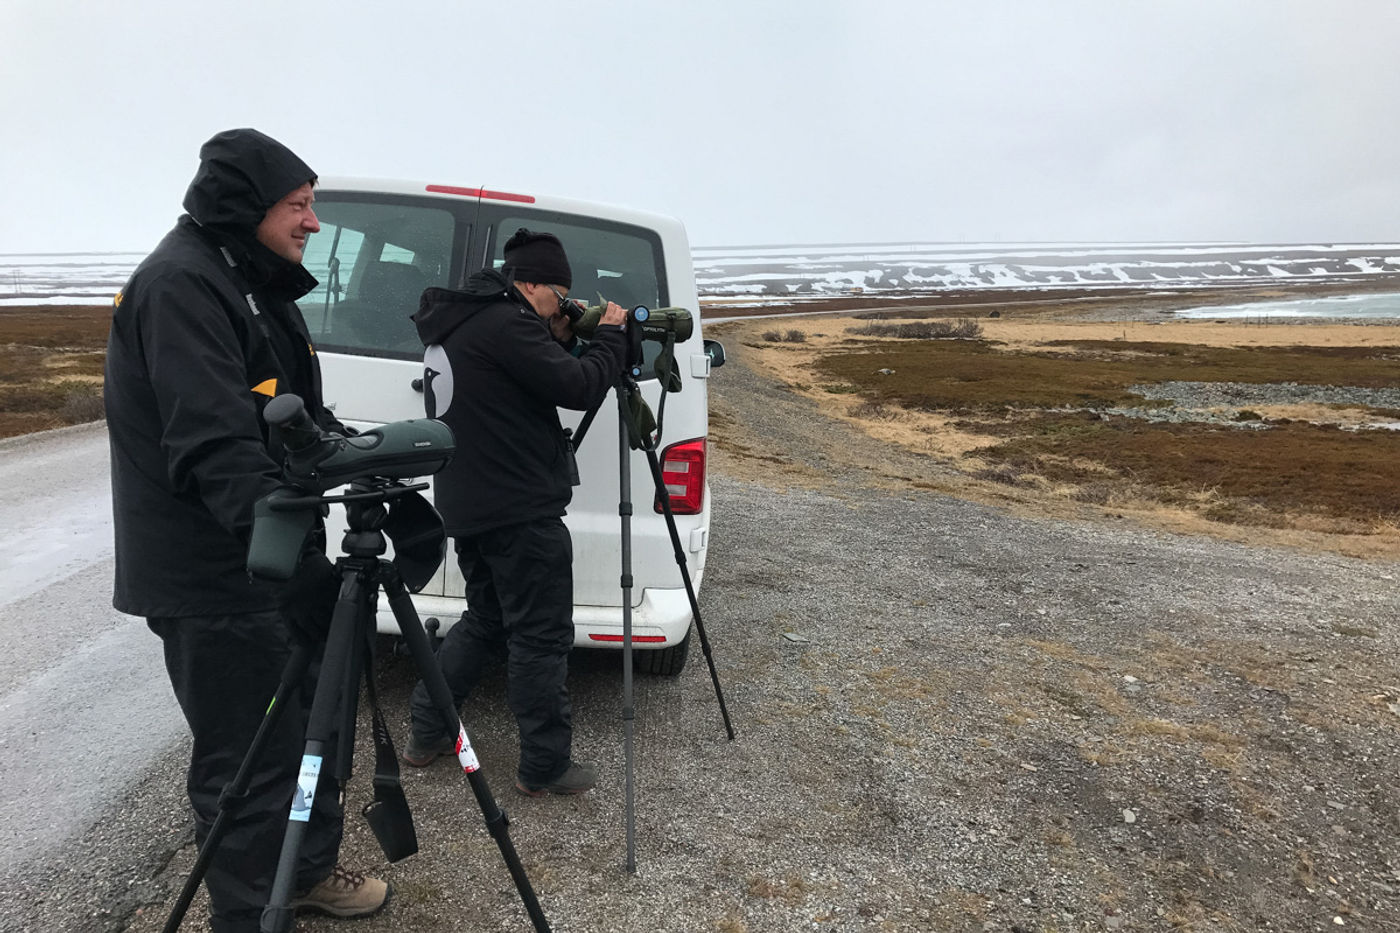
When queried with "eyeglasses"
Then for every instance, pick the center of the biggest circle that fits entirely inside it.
(567, 306)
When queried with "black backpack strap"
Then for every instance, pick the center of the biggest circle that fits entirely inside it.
(388, 812)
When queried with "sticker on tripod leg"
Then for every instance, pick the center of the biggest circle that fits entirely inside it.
(465, 755)
(305, 794)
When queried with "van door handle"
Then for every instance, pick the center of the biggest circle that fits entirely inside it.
(417, 384)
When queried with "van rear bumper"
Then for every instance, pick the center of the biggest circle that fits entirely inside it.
(662, 613)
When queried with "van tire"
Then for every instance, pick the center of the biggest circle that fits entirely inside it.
(665, 662)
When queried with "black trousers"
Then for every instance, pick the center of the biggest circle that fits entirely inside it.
(520, 604)
(224, 670)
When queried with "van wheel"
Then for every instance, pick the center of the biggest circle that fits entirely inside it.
(666, 662)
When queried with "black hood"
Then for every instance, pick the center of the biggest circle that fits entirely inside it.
(442, 310)
(241, 174)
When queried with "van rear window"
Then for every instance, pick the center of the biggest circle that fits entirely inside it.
(611, 261)
(606, 260)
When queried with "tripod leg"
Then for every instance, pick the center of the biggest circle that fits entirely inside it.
(665, 499)
(237, 789)
(339, 656)
(428, 671)
(624, 509)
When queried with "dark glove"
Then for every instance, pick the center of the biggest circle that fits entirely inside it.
(308, 598)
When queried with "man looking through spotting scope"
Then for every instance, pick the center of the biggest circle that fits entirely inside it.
(498, 366)
(205, 333)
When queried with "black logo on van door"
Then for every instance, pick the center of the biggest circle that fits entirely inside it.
(437, 381)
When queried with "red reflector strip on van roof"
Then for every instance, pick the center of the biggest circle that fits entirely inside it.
(507, 196)
(481, 193)
(635, 638)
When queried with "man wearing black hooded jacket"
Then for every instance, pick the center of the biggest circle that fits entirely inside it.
(204, 334)
(497, 368)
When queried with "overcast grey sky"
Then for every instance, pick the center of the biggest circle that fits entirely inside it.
(753, 121)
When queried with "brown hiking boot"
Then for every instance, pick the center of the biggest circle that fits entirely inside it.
(345, 893)
(576, 779)
(420, 756)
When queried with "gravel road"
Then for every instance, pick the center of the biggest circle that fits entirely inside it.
(86, 716)
(949, 718)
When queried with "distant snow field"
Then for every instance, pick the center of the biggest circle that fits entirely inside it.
(903, 269)
(770, 274)
(63, 278)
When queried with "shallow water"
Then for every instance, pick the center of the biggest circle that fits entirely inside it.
(1339, 306)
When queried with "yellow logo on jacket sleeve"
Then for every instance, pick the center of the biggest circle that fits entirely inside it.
(117, 300)
(267, 387)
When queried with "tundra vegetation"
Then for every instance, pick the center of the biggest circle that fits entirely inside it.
(1300, 435)
(1049, 416)
(51, 367)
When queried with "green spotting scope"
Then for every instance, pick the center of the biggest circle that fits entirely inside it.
(657, 324)
(318, 461)
(374, 461)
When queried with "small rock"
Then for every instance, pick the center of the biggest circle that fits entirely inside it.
(1129, 679)
(1129, 817)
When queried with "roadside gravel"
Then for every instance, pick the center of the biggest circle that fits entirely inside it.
(949, 718)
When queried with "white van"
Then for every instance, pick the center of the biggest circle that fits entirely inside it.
(383, 242)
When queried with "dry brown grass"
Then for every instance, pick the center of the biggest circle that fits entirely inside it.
(977, 376)
(1246, 477)
(1233, 475)
(51, 366)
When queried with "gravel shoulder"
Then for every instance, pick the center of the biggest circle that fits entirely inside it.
(950, 717)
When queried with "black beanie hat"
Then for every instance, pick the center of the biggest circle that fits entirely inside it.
(241, 174)
(538, 258)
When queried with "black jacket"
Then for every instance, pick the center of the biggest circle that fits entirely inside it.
(495, 375)
(190, 367)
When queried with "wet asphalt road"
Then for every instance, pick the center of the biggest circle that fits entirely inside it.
(92, 744)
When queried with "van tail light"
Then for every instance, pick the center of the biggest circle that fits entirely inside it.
(683, 472)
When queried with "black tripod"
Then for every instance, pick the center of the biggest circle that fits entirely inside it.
(633, 435)
(348, 648)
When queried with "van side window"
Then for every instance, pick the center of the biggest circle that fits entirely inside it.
(372, 262)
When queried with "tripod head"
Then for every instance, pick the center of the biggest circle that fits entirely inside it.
(376, 463)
